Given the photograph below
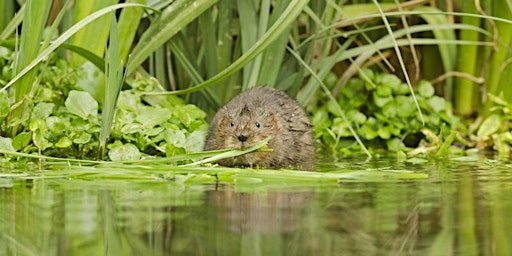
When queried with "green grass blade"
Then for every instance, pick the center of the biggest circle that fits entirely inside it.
(114, 74)
(9, 28)
(64, 37)
(400, 59)
(465, 93)
(274, 32)
(128, 24)
(497, 78)
(172, 20)
(34, 20)
(88, 55)
(272, 57)
(94, 36)
(331, 98)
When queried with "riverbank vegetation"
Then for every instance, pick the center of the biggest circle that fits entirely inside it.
(135, 79)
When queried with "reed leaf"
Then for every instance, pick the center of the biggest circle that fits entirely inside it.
(94, 36)
(497, 74)
(114, 76)
(466, 91)
(400, 59)
(64, 37)
(172, 20)
(128, 24)
(34, 19)
(10, 24)
(288, 16)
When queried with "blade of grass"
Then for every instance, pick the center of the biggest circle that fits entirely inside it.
(94, 36)
(331, 98)
(9, 28)
(289, 15)
(114, 76)
(34, 19)
(172, 20)
(128, 24)
(496, 79)
(272, 57)
(466, 91)
(400, 59)
(65, 36)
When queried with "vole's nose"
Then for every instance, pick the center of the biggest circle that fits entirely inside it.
(242, 137)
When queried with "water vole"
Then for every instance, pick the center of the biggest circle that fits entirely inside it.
(255, 115)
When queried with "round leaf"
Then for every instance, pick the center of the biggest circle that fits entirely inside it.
(81, 104)
(124, 152)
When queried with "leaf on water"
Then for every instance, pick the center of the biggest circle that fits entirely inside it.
(81, 104)
(490, 125)
(6, 144)
(124, 152)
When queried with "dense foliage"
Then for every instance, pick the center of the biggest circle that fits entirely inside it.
(383, 112)
(68, 79)
(63, 120)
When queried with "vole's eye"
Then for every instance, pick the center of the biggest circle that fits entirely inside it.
(258, 125)
(232, 124)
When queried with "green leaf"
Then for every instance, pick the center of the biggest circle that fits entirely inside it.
(426, 89)
(490, 126)
(21, 140)
(384, 133)
(357, 116)
(4, 106)
(395, 144)
(37, 124)
(84, 138)
(64, 142)
(195, 141)
(391, 81)
(42, 110)
(81, 104)
(175, 137)
(189, 113)
(383, 91)
(381, 101)
(124, 152)
(390, 110)
(437, 103)
(149, 117)
(6, 144)
(173, 19)
(294, 9)
(404, 106)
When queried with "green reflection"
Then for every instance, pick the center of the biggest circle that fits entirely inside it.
(460, 209)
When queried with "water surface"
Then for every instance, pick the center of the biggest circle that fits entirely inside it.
(461, 208)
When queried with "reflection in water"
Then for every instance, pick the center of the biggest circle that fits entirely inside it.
(265, 213)
(464, 211)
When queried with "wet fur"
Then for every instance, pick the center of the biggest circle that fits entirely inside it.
(278, 116)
